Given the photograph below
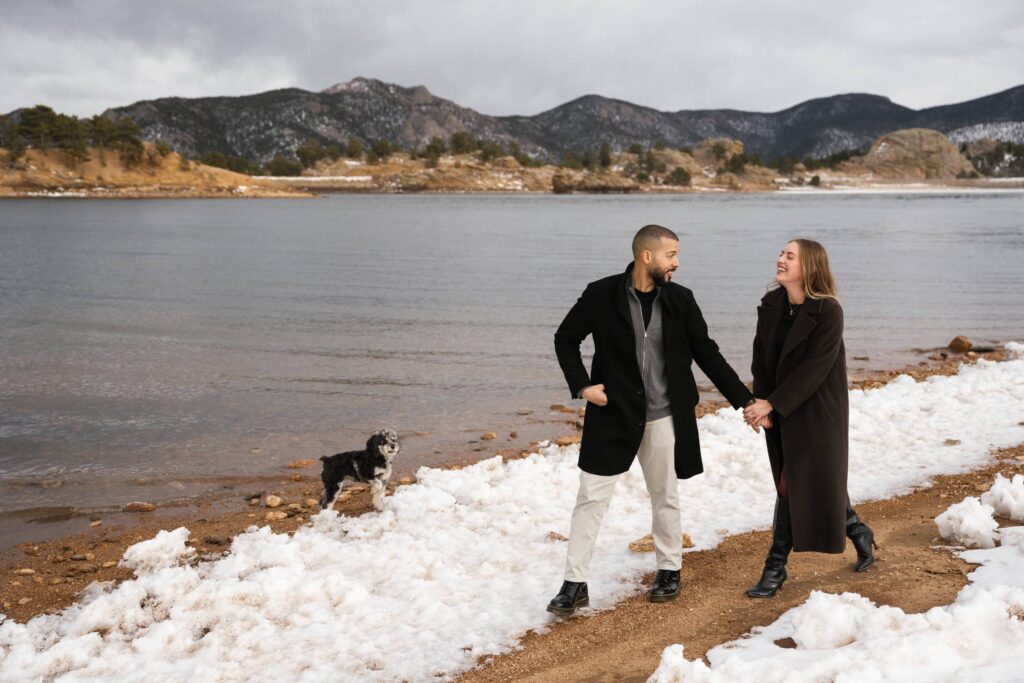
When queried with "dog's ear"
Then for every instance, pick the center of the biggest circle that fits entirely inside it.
(372, 443)
(324, 458)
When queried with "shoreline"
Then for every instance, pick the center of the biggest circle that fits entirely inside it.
(65, 564)
(311, 187)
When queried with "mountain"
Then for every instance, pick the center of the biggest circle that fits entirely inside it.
(276, 122)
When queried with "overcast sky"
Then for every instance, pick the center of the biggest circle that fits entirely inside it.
(512, 56)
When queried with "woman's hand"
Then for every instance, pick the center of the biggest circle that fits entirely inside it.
(595, 394)
(758, 414)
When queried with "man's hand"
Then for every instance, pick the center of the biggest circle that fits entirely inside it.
(595, 394)
(765, 422)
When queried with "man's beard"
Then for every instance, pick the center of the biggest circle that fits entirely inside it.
(660, 277)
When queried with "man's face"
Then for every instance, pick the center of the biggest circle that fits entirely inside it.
(662, 261)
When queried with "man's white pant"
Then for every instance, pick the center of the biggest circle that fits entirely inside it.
(657, 459)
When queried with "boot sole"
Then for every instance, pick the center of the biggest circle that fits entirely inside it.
(763, 596)
(568, 611)
(668, 597)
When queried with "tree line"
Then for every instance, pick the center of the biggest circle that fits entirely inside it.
(42, 128)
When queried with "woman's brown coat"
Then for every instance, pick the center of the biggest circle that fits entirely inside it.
(807, 387)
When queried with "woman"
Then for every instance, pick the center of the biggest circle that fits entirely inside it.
(802, 401)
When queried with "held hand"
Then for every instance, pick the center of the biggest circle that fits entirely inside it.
(595, 394)
(765, 422)
(760, 408)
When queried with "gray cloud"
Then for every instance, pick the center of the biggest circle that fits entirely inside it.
(511, 56)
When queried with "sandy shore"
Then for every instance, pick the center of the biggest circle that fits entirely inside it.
(629, 638)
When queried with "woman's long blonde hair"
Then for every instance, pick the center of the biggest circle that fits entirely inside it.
(819, 282)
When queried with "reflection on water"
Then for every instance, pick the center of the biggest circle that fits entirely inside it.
(176, 340)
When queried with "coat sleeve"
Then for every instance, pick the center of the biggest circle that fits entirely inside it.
(823, 346)
(709, 358)
(570, 334)
(757, 369)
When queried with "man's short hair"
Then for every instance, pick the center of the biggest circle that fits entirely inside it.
(649, 237)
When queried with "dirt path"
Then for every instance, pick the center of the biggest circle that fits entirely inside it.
(625, 644)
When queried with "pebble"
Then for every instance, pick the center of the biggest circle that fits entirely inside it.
(57, 580)
(24, 571)
(275, 515)
(559, 408)
(297, 477)
(312, 502)
(344, 497)
(524, 412)
(295, 464)
(488, 436)
(254, 501)
(109, 565)
(38, 580)
(960, 344)
(513, 435)
(217, 540)
(295, 507)
(951, 442)
(273, 501)
(138, 506)
(96, 523)
(24, 601)
(567, 440)
(357, 488)
(407, 480)
(555, 536)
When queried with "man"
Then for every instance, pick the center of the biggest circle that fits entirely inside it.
(640, 398)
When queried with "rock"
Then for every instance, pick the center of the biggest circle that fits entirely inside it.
(687, 541)
(87, 569)
(272, 501)
(915, 153)
(254, 501)
(582, 411)
(578, 424)
(96, 523)
(488, 436)
(407, 480)
(513, 435)
(217, 540)
(138, 506)
(555, 536)
(109, 565)
(38, 580)
(981, 487)
(275, 515)
(559, 408)
(295, 464)
(25, 571)
(311, 502)
(524, 412)
(862, 357)
(358, 488)
(57, 580)
(567, 440)
(297, 477)
(960, 344)
(294, 507)
(344, 497)
(951, 442)
(24, 601)
(83, 557)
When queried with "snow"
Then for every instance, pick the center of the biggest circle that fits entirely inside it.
(1006, 497)
(846, 637)
(969, 523)
(460, 565)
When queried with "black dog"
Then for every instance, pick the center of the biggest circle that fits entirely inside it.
(372, 466)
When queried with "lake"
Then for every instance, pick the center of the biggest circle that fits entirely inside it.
(153, 348)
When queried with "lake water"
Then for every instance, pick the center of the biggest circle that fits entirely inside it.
(153, 348)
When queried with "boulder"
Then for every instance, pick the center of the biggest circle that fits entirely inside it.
(916, 154)
(960, 344)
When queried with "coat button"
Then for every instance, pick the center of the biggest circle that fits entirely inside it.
(639, 424)
(639, 392)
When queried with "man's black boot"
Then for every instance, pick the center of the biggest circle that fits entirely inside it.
(863, 539)
(666, 585)
(774, 574)
(572, 595)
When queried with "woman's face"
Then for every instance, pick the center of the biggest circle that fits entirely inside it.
(788, 270)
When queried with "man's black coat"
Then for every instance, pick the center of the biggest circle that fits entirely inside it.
(612, 434)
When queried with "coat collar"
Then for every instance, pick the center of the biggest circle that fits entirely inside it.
(805, 322)
(626, 283)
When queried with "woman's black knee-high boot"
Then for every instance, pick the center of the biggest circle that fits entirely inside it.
(862, 537)
(774, 574)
